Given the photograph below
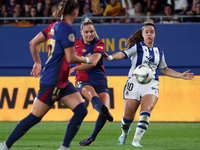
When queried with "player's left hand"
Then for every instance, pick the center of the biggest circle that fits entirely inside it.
(187, 76)
(36, 70)
(72, 70)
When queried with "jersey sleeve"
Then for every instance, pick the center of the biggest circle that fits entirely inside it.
(132, 50)
(162, 64)
(46, 31)
(99, 48)
(67, 36)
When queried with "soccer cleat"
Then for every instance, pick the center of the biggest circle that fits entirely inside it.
(136, 143)
(106, 113)
(87, 141)
(122, 138)
(63, 148)
(3, 146)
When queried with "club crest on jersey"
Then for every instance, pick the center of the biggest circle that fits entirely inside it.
(71, 37)
(83, 50)
(127, 93)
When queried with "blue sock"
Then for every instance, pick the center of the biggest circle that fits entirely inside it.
(96, 103)
(73, 126)
(101, 120)
(21, 128)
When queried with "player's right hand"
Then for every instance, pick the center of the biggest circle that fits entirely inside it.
(106, 56)
(36, 70)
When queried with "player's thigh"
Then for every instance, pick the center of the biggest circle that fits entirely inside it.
(105, 98)
(130, 108)
(39, 108)
(88, 92)
(72, 100)
(148, 102)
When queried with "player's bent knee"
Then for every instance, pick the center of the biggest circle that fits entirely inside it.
(81, 109)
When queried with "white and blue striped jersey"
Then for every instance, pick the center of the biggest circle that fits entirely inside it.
(139, 54)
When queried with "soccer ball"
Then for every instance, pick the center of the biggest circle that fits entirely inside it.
(143, 74)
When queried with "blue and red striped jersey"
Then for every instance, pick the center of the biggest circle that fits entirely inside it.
(95, 75)
(60, 35)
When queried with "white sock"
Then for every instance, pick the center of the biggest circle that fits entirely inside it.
(125, 125)
(4, 146)
(63, 148)
(142, 125)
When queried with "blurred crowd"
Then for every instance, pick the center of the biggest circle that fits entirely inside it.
(133, 11)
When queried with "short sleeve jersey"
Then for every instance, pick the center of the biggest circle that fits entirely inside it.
(139, 53)
(60, 35)
(95, 75)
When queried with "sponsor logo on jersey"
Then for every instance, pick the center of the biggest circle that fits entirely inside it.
(71, 37)
(149, 57)
(101, 47)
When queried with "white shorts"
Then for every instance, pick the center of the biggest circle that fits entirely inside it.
(135, 90)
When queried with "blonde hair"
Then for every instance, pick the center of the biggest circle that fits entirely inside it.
(66, 7)
(87, 21)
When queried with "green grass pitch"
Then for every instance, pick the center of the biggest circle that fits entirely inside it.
(159, 136)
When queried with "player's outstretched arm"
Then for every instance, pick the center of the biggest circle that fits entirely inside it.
(115, 56)
(172, 73)
(187, 75)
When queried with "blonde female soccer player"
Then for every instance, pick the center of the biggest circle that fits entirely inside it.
(91, 80)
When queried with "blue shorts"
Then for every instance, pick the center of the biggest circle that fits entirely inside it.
(100, 88)
(49, 94)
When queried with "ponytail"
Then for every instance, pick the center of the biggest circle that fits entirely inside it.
(65, 7)
(137, 36)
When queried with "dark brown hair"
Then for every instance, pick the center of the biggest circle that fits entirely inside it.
(137, 36)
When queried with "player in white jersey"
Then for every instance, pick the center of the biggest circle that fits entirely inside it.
(141, 50)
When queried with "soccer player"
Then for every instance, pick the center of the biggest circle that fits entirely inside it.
(141, 50)
(90, 79)
(54, 84)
